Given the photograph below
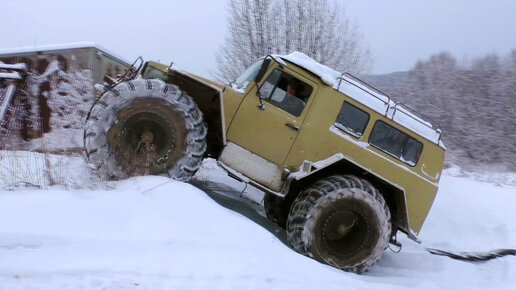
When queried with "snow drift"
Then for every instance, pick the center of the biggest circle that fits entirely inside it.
(155, 233)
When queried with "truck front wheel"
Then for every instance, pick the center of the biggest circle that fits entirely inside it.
(143, 127)
(342, 221)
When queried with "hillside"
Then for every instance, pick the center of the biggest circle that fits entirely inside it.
(473, 103)
(155, 233)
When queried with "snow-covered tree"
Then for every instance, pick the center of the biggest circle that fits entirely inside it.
(318, 28)
(475, 104)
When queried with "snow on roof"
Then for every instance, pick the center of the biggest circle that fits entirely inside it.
(327, 75)
(17, 66)
(62, 46)
(367, 95)
(6, 102)
(10, 75)
(412, 122)
(364, 95)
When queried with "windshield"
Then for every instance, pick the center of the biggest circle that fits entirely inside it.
(248, 76)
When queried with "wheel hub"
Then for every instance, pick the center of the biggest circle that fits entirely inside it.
(344, 229)
(146, 138)
(339, 225)
(146, 147)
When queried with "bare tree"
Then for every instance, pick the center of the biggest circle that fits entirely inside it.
(475, 105)
(317, 28)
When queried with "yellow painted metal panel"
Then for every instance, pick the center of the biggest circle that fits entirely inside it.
(265, 132)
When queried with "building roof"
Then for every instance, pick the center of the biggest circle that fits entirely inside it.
(62, 46)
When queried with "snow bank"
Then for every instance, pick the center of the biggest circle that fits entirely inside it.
(155, 233)
(151, 231)
(59, 140)
(212, 178)
(30, 169)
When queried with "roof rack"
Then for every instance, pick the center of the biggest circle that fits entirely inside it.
(400, 107)
(354, 78)
(419, 117)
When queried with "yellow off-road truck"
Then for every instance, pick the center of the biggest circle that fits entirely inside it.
(343, 167)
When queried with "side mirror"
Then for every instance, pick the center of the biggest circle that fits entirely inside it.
(263, 69)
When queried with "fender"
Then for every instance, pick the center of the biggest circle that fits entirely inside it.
(339, 163)
(208, 96)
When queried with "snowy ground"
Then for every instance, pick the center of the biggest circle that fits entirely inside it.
(154, 233)
(38, 170)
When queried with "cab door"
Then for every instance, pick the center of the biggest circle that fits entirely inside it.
(269, 127)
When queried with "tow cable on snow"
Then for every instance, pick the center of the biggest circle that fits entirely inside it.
(474, 256)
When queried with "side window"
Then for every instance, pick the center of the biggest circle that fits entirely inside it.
(286, 92)
(396, 143)
(352, 120)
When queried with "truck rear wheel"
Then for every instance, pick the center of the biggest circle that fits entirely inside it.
(342, 221)
(143, 127)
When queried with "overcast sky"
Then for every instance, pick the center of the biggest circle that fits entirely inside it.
(399, 32)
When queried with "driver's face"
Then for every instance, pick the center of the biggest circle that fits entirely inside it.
(291, 90)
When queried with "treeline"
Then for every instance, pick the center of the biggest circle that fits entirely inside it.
(474, 103)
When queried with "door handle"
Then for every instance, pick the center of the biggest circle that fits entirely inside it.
(292, 126)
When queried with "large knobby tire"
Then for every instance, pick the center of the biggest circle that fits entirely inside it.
(342, 221)
(142, 127)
